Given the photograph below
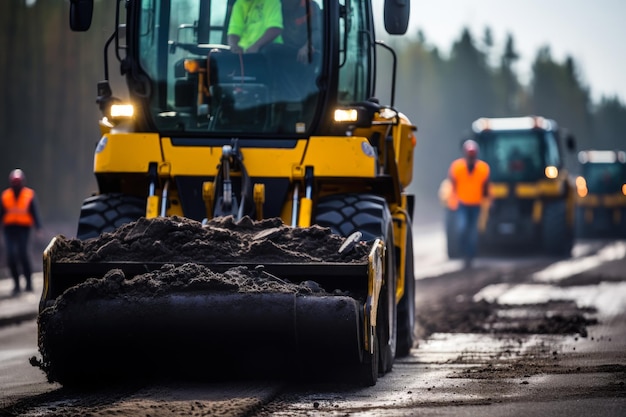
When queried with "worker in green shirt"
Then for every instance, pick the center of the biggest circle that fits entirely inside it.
(254, 24)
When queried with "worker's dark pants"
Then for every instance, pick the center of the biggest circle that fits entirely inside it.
(467, 228)
(16, 241)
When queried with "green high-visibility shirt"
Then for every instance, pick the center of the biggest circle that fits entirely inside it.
(251, 18)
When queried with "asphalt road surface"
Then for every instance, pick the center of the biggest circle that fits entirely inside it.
(523, 335)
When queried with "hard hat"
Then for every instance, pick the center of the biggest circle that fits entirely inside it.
(17, 178)
(470, 148)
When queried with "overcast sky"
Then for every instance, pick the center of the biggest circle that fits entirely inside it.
(592, 32)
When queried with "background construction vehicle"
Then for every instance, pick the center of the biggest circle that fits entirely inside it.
(207, 133)
(532, 194)
(601, 187)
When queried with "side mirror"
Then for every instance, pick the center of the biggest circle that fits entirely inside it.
(396, 15)
(81, 12)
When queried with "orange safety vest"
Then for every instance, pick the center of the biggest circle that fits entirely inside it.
(16, 211)
(469, 187)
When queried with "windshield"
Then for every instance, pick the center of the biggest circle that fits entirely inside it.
(604, 178)
(232, 66)
(518, 155)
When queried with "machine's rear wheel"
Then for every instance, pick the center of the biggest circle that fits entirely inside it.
(369, 214)
(107, 212)
(406, 307)
(557, 236)
(582, 229)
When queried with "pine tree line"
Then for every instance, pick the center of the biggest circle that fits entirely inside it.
(445, 95)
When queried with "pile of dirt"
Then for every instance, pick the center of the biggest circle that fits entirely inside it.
(468, 316)
(187, 250)
(186, 278)
(445, 304)
(178, 240)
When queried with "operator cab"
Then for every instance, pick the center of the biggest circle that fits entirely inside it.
(602, 172)
(519, 149)
(184, 81)
(209, 88)
(601, 189)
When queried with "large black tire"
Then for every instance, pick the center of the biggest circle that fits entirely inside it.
(368, 371)
(106, 212)
(369, 214)
(345, 214)
(387, 319)
(582, 229)
(557, 235)
(406, 307)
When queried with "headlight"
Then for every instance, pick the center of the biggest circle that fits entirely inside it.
(581, 186)
(122, 111)
(353, 117)
(346, 115)
(551, 172)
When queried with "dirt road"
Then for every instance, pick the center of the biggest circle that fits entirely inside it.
(510, 337)
(514, 336)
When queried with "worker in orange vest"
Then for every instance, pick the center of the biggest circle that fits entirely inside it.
(19, 213)
(469, 177)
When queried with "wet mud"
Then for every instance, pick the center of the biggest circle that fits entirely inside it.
(503, 342)
(450, 308)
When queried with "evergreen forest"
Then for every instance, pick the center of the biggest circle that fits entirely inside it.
(49, 117)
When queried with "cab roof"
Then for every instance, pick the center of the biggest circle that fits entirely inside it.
(601, 156)
(513, 123)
